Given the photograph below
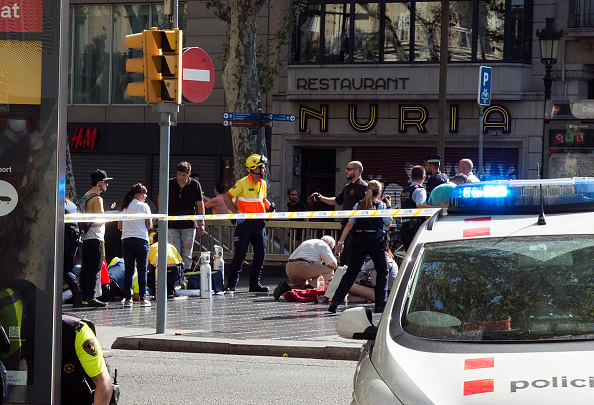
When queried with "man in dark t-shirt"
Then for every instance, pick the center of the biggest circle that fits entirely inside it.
(185, 198)
(351, 194)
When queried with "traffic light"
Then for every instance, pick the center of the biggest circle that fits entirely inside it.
(160, 64)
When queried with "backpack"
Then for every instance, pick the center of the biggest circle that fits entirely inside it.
(82, 207)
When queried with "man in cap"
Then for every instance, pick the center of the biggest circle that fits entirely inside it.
(93, 241)
(432, 168)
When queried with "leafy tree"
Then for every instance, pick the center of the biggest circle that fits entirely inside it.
(251, 65)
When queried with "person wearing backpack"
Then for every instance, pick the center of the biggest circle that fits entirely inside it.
(93, 241)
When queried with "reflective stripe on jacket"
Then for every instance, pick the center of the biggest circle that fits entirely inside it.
(251, 197)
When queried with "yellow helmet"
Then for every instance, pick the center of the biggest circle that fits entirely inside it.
(254, 161)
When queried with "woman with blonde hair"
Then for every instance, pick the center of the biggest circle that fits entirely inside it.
(366, 241)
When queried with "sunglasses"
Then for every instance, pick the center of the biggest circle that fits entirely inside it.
(350, 169)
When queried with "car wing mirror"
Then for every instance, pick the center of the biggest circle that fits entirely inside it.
(356, 323)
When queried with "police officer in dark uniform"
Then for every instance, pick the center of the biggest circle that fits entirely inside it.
(432, 168)
(350, 195)
(85, 379)
(366, 241)
(410, 197)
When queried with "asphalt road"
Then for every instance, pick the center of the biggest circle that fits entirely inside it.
(188, 378)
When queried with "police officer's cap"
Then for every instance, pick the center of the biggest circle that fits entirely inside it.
(433, 158)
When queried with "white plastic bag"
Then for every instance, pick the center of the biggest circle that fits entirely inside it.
(338, 273)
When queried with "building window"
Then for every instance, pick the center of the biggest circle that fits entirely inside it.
(98, 54)
(409, 31)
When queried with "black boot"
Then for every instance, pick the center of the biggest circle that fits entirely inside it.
(76, 296)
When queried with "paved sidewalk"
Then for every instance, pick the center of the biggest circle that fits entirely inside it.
(243, 323)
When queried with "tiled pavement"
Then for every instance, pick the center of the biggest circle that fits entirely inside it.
(240, 319)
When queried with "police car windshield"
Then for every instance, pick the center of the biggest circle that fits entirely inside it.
(522, 288)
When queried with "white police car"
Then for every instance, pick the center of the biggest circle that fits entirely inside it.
(494, 303)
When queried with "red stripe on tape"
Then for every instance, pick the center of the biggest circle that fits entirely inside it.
(486, 362)
(479, 386)
(479, 219)
(470, 233)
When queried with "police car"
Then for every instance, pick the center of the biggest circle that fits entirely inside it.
(494, 303)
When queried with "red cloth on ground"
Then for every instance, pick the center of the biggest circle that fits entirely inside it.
(309, 295)
(104, 273)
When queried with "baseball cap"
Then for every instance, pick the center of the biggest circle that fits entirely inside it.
(99, 175)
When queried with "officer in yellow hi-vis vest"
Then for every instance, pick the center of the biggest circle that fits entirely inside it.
(250, 193)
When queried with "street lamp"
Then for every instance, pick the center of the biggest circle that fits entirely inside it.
(549, 45)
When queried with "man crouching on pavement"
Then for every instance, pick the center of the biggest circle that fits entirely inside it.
(311, 258)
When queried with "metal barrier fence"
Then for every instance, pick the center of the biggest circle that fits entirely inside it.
(282, 237)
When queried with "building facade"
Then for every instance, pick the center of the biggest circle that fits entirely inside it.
(362, 80)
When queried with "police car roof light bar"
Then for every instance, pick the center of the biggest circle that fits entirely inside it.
(523, 196)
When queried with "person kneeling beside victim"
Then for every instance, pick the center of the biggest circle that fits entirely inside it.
(311, 258)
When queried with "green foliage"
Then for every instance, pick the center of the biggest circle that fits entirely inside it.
(269, 56)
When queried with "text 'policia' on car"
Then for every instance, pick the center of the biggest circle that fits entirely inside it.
(494, 302)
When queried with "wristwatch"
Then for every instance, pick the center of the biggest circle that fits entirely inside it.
(341, 243)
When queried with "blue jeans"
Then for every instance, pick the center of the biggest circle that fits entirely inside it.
(183, 240)
(135, 251)
(251, 231)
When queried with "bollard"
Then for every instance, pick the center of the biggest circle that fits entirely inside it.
(218, 265)
(205, 276)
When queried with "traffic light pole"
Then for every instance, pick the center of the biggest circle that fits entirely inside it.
(167, 111)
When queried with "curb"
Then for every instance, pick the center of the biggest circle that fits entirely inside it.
(290, 348)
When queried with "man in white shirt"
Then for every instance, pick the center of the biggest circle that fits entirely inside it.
(465, 167)
(312, 258)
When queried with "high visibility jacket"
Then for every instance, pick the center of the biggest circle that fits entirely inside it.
(251, 197)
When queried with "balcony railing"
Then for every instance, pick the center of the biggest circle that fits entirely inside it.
(580, 14)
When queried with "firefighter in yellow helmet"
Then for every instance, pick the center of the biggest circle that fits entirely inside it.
(250, 193)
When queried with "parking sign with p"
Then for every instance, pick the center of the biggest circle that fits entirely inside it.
(484, 87)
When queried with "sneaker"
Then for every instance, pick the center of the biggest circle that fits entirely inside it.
(259, 288)
(282, 288)
(354, 298)
(94, 303)
(127, 304)
(145, 303)
(230, 289)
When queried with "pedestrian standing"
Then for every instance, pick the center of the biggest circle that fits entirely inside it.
(93, 246)
(412, 196)
(250, 193)
(295, 204)
(465, 167)
(218, 202)
(185, 198)
(353, 192)
(366, 241)
(71, 236)
(135, 242)
(431, 163)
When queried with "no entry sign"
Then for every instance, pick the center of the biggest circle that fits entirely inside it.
(197, 75)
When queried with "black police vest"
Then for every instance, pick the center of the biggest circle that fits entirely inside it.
(436, 180)
(369, 224)
(406, 200)
(77, 386)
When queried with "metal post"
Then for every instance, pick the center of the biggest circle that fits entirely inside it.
(258, 122)
(480, 145)
(443, 75)
(166, 122)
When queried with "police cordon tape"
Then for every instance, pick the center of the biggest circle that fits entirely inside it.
(394, 213)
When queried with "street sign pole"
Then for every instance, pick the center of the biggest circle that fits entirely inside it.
(168, 118)
(258, 120)
(480, 146)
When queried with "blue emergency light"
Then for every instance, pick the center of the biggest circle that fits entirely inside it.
(523, 196)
